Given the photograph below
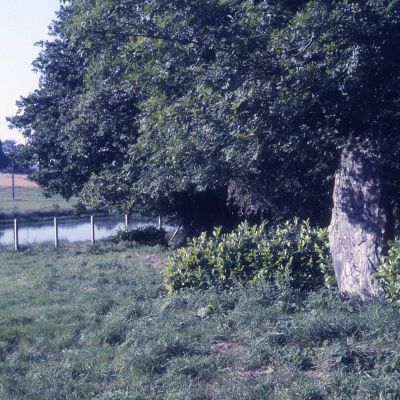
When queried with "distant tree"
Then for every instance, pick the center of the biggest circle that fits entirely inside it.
(15, 154)
(11, 147)
(4, 160)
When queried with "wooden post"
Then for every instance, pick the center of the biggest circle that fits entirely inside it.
(16, 246)
(160, 221)
(174, 234)
(126, 220)
(55, 232)
(92, 226)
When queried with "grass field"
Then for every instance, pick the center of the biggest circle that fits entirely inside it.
(96, 323)
(29, 199)
(20, 181)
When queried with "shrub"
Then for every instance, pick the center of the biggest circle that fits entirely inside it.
(149, 235)
(79, 208)
(297, 254)
(388, 274)
(293, 253)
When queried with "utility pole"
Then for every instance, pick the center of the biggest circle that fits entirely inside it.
(12, 173)
(11, 150)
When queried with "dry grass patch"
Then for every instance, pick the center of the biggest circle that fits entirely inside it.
(20, 180)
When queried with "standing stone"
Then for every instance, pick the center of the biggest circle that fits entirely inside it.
(357, 229)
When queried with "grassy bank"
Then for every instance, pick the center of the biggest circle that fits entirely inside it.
(96, 323)
(30, 202)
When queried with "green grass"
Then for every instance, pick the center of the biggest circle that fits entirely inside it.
(30, 201)
(96, 323)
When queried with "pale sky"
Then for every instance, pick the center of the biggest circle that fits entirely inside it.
(22, 23)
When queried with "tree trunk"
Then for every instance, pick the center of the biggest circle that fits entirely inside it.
(357, 229)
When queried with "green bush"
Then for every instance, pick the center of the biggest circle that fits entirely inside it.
(148, 235)
(388, 274)
(298, 254)
(293, 253)
(79, 208)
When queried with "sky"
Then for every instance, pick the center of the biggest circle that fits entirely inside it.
(22, 23)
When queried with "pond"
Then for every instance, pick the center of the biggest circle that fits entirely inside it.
(70, 230)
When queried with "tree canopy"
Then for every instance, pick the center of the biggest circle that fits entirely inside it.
(213, 109)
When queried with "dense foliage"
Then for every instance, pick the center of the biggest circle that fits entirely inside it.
(388, 274)
(147, 235)
(180, 106)
(81, 119)
(293, 254)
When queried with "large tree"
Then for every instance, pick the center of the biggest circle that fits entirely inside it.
(178, 106)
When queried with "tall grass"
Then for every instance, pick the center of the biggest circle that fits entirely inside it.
(96, 323)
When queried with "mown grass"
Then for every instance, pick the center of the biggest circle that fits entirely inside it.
(96, 323)
(31, 201)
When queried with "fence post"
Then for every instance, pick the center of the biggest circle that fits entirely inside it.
(160, 221)
(16, 245)
(126, 220)
(56, 232)
(92, 226)
(174, 235)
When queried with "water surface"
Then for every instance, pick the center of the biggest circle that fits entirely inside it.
(70, 230)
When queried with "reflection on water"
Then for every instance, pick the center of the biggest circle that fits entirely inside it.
(71, 230)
